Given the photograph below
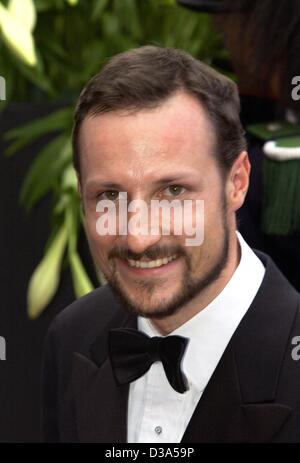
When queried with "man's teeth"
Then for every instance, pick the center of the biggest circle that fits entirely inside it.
(151, 263)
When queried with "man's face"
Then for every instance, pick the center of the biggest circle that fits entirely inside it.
(162, 153)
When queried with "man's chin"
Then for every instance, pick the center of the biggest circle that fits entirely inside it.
(149, 309)
(143, 303)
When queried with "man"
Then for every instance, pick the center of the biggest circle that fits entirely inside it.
(263, 40)
(186, 343)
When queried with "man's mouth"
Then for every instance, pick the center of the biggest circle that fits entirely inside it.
(150, 267)
(151, 263)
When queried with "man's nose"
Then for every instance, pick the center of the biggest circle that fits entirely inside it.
(141, 232)
(140, 243)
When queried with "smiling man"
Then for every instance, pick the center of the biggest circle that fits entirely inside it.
(184, 343)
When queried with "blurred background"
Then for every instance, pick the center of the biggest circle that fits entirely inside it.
(49, 49)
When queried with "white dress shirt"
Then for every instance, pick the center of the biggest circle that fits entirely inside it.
(156, 412)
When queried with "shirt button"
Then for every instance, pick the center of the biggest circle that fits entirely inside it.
(158, 429)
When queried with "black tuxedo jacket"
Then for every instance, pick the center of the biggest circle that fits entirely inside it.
(252, 396)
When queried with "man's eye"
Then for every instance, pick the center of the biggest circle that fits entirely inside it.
(110, 194)
(174, 190)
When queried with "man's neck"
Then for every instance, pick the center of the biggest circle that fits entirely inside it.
(168, 324)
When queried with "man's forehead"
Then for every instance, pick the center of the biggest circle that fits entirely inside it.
(180, 117)
(177, 133)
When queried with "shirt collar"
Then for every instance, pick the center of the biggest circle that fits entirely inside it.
(211, 329)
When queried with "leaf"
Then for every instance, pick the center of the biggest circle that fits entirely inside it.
(33, 75)
(69, 179)
(81, 282)
(72, 221)
(58, 120)
(61, 204)
(45, 278)
(127, 13)
(99, 7)
(45, 170)
(17, 37)
(24, 12)
(54, 121)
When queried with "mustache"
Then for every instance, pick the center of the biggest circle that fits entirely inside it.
(150, 253)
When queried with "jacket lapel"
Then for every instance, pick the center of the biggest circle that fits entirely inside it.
(222, 416)
(239, 402)
(101, 405)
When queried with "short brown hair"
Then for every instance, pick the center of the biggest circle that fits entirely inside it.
(145, 77)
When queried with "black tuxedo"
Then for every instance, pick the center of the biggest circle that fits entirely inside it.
(253, 395)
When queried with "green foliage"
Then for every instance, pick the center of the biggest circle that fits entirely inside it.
(71, 41)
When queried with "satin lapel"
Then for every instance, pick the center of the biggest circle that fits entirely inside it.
(239, 402)
(101, 405)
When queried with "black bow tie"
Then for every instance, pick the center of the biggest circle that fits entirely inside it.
(132, 353)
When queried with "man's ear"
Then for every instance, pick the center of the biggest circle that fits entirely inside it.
(238, 181)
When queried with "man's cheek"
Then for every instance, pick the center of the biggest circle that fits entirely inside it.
(91, 226)
(193, 219)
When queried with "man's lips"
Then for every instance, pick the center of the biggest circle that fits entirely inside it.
(155, 271)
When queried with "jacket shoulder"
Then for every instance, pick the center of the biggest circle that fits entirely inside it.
(79, 323)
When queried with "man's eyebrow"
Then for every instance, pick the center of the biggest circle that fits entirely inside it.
(169, 179)
(173, 178)
(103, 184)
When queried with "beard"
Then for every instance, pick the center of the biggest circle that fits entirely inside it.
(190, 286)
